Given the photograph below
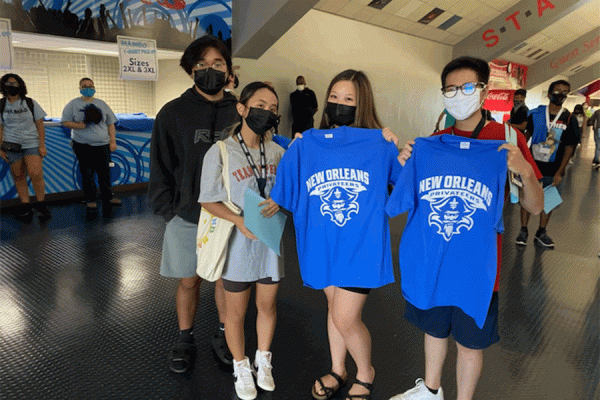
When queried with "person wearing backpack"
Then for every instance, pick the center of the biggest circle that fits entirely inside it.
(23, 146)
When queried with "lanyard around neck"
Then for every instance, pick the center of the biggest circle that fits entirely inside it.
(552, 124)
(261, 178)
(477, 130)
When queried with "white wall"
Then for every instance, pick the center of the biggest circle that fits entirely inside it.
(404, 70)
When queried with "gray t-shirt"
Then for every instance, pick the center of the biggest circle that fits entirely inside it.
(18, 124)
(247, 260)
(92, 134)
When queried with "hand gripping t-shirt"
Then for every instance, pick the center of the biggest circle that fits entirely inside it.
(335, 183)
(92, 134)
(18, 124)
(453, 190)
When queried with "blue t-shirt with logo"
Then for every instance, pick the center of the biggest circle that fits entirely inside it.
(453, 190)
(335, 183)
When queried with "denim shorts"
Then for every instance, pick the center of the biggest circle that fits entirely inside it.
(14, 156)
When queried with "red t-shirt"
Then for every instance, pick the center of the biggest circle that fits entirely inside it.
(495, 131)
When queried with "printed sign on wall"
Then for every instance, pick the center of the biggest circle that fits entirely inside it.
(137, 59)
(6, 53)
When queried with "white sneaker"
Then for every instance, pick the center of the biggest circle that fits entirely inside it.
(244, 382)
(264, 377)
(419, 392)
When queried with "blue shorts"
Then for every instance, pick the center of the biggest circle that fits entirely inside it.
(14, 156)
(441, 322)
(179, 257)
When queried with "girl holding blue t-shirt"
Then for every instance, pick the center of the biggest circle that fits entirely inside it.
(23, 146)
(252, 162)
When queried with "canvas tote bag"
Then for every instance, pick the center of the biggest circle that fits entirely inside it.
(212, 240)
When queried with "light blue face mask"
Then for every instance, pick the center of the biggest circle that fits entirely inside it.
(87, 92)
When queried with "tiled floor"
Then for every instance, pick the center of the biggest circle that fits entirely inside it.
(85, 315)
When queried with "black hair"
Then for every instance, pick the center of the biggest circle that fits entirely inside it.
(521, 92)
(578, 109)
(198, 48)
(85, 79)
(299, 79)
(477, 65)
(19, 80)
(236, 82)
(252, 88)
(559, 82)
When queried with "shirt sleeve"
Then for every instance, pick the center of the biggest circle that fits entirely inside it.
(522, 144)
(394, 167)
(110, 115)
(38, 111)
(212, 187)
(569, 137)
(502, 182)
(67, 114)
(529, 128)
(286, 190)
(403, 196)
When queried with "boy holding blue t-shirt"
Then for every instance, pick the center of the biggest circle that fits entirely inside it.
(473, 205)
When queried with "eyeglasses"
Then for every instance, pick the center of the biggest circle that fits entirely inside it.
(566, 93)
(467, 88)
(216, 65)
(13, 84)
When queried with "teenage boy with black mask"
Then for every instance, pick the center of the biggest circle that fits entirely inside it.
(553, 141)
(464, 87)
(184, 130)
(518, 114)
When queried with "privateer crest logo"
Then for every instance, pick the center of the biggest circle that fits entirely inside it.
(338, 190)
(453, 201)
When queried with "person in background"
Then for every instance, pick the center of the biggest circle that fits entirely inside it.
(93, 138)
(553, 141)
(232, 84)
(304, 106)
(595, 118)
(249, 261)
(184, 130)
(23, 143)
(518, 114)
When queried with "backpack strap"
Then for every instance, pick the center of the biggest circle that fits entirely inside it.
(2, 107)
(510, 135)
(29, 102)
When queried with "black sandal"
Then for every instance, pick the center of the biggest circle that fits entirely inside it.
(221, 350)
(182, 357)
(368, 386)
(329, 391)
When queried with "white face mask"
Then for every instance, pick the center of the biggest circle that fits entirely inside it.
(300, 87)
(462, 106)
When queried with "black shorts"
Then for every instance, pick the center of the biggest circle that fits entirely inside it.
(357, 290)
(441, 322)
(237, 287)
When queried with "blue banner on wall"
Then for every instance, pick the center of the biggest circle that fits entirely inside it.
(174, 24)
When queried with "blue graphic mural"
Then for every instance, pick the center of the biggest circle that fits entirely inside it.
(172, 23)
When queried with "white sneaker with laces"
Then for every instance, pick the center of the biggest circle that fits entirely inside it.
(264, 377)
(244, 381)
(419, 392)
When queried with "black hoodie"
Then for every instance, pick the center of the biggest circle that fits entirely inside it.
(184, 130)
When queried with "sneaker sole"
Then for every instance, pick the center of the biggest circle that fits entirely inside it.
(520, 243)
(551, 246)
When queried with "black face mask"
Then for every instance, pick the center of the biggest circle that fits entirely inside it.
(517, 104)
(209, 80)
(557, 99)
(260, 121)
(340, 114)
(12, 91)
